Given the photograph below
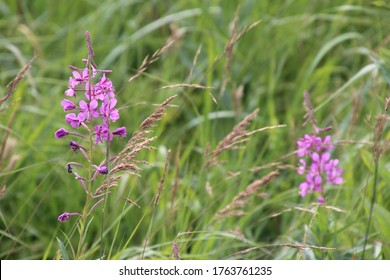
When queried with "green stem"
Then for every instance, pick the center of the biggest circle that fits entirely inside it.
(373, 198)
(106, 196)
(83, 219)
(85, 213)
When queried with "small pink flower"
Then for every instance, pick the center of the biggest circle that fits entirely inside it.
(102, 133)
(321, 168)
(61, 133)
(71, 91)
(73, 120)
(67, 105)
(75, 146)
(82, 76)
(104, 88)
(321, 200)
(64, 217)
(107, 110)
(88, 111)
(333, 172)
(307, 144)
(121, 132)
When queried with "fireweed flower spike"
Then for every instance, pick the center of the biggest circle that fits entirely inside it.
(315, 159)
(90, 105)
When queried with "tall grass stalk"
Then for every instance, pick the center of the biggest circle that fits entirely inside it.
(377, 151)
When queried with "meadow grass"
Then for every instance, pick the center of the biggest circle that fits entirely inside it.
(227, 60)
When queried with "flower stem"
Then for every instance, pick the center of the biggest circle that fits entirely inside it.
(106, 198)
(90, 161)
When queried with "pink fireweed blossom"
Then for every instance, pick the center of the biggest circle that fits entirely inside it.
(73, 120)
(312, 184)
(67, 105)
(64, 217)
(102, 133)
(80, 77)
(307, 144)
(101, 169)
(333, 173)
(104, 88)
(75, 146)
(318, 165)
(121, 132)
(72, 84)
(107, 110)
(62, 132)
(88, 111)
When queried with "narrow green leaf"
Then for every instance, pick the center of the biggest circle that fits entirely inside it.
(63, 250)
(86, 231)
(331, 44)
(365, 70)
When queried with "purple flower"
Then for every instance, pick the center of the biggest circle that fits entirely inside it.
(82, 76)
(121, 132)
(73, 120)
(307, 144)
(333, 172)
(64, 217)
(77, 147)
(71, 91)
(103, 88)
(102, 133)
(312, 184)
(70, 169)
(103, 170)
(74, 146)
(61, 133)
(67, 105)
(318, 162)
(88, 111)
(108, 110)
(321, 168)
(79, 78)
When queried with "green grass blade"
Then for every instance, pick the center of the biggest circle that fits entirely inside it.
(63, 251)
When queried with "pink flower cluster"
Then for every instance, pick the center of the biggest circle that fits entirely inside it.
(99, 102)
(318, 165)
(90, 102)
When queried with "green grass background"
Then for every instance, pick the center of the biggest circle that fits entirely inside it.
(338, 50)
